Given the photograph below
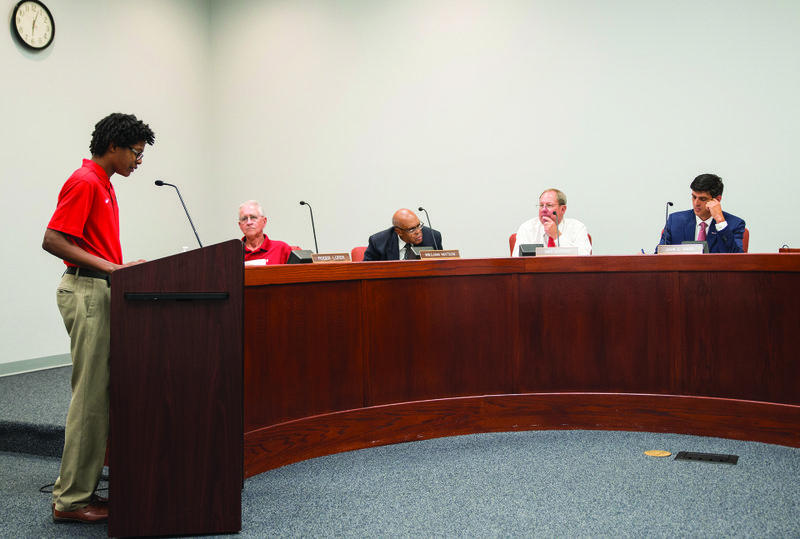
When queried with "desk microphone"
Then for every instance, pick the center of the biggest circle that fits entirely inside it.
(428, 218)
(666, 218)
(160, 183)
(558, 234)
(313, 228)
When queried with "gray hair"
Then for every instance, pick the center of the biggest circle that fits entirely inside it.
(252, 203)
(560, 196)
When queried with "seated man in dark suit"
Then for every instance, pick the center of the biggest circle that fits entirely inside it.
(395, 242)
(706, 221)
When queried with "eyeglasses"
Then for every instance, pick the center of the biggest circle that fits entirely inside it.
(138, 154)
(548, 206)
(245, 218)
(412, 229)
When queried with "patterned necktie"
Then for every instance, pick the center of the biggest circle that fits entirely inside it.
(702, 235)
(408, 251)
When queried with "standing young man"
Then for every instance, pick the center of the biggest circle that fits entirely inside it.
(84, 233)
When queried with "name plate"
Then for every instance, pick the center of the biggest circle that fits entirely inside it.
(445, 253)
(556, 251)
(330, 258)
(683, 249)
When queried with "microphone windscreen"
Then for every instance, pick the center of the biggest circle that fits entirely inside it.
(159, 183)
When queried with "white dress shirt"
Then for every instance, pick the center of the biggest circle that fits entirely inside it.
(573, 234)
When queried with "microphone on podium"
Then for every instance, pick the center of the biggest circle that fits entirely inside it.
(313, 228)
(160, 183)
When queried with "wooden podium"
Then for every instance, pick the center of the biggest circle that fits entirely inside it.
(176, 428)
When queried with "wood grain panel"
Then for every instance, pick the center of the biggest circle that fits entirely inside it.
(302, 351)
(596, 332)
(318, 436)
(699, 416)
(742, 336)
(438, 337)
(176, 447)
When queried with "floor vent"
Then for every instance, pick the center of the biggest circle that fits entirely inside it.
(707, 457)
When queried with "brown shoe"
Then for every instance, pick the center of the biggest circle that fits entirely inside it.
(96, 511)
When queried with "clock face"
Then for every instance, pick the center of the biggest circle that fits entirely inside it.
(33, 24)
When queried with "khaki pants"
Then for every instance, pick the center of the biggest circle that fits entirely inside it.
(85, 305)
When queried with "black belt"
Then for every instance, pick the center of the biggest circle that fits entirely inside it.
(83, 272)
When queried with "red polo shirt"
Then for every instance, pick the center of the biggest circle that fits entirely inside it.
(273, 251)
(87, 211)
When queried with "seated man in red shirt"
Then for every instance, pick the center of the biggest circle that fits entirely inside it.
(259, 250)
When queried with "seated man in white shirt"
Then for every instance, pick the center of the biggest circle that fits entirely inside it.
(543, 229)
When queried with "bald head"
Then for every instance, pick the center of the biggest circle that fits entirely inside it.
(408, 226)
(404, 218)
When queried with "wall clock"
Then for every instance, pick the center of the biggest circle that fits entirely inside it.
(33, 24)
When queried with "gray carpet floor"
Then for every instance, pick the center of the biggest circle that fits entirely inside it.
(524, 484)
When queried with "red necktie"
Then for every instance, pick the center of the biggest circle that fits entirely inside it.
(702, 235)
(551, 242)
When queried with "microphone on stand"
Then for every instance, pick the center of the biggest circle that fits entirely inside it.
(160, 183)
(313, 228)
(666, 218)
(558, 234)
(428, 218)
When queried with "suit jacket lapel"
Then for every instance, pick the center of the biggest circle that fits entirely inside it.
(691, 224)
(393, 246)
(711, 235)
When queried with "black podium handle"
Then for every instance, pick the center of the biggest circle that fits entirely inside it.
(174, 296)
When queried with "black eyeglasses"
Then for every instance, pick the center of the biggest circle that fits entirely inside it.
(138, 154)
(412, 229)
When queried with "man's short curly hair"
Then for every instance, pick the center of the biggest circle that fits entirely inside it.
(121, 130)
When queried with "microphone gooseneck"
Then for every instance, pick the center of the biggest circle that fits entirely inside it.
(558, 234)
(428, 218)
(666, 219)
(160, 183)
(313, 228)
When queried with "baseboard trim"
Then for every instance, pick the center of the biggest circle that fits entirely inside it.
(34, 364)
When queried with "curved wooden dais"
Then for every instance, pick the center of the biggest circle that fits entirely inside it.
(347, 356)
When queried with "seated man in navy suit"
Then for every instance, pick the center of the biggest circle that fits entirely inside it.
(395, 242)
(706, 221)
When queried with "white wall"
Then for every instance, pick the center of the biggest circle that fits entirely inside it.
(472, 107)
(468, 107)
(149, 58)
